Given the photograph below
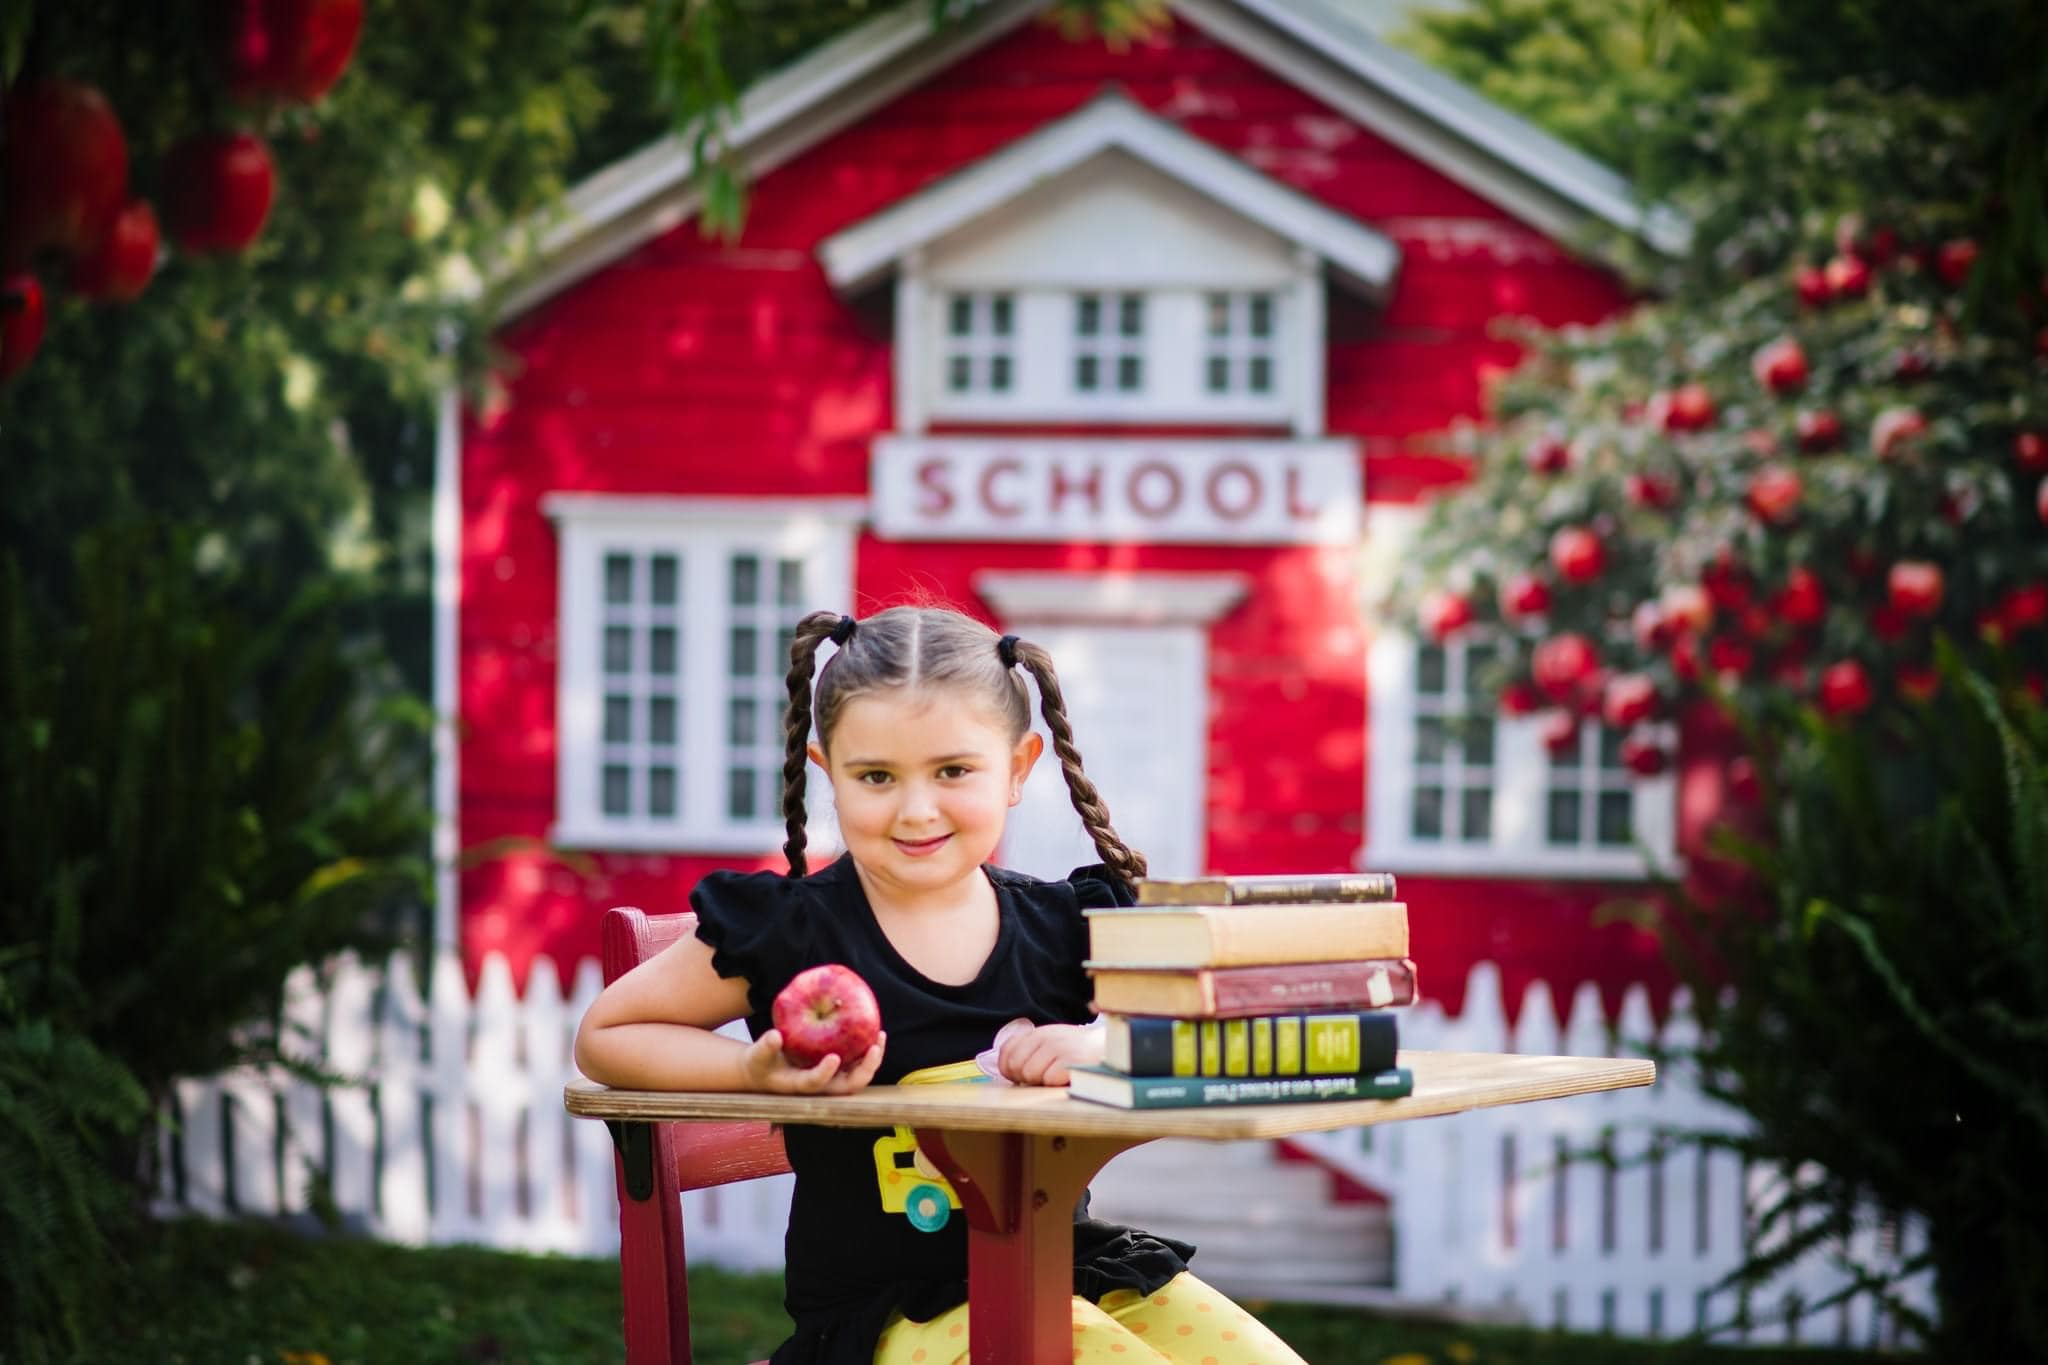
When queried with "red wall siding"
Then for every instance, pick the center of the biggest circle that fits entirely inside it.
(652, 375)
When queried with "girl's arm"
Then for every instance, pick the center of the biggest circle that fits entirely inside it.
(652, 1030)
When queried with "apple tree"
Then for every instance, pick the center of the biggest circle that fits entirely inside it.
(1805, 487)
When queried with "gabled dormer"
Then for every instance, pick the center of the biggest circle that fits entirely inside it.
(1110, 268)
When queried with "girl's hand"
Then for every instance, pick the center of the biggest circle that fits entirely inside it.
(763, 1067)
(1041, 1055)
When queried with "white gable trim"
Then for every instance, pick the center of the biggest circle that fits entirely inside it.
(1437, 119)
(1497, 155)
(860, 255)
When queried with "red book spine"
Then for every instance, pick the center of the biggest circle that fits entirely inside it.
(1245, 991)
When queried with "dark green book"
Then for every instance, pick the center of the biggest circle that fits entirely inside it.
(1333, 1043)
(1103, 1086)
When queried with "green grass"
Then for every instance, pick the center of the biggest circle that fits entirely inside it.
(251, 1294)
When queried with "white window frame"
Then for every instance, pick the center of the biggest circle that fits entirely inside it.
(984, 348)
(1521, 784)
(1173, 352)
(1236, 347)
(704, 534)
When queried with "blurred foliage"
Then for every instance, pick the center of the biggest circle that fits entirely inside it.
(1741, 494)
(1890, 1029)
(1699, 102)
(1670, 505)
(197, 801)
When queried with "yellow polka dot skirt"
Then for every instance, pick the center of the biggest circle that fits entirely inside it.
(1185, 1322)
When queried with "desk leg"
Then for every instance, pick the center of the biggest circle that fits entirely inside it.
(1018, 1191)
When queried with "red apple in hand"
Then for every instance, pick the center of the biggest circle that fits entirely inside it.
(827, 1010)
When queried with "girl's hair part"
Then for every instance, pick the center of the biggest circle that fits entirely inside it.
(943, 650)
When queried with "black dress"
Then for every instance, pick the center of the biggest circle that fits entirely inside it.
(849, 1260)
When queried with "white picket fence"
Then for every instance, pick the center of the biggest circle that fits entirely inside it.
(451, 1129)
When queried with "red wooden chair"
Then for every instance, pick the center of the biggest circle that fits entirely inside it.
(655, 1162)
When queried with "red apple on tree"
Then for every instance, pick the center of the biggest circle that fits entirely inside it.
(1547, 455)
(1844, 688)
(1780, 366)
(288, 49)
(2024, 607)
(1917, 682)
(1577, 554)
(1954, 260)
(1801, 602)
(1913, 588)
(120, 266)
(1730, 656)
(2030, 449)
(1651, 490)
(1774, 494)
(1444, 614)
(1819, 429)
(1526, 594)
(1559, 731)
(1689, 407)
(824, 1011)
(1519, 699)
(23, 314)
(1893, 428)
(1911, 364)
(218, 190)
(1561, 663)
(1811, 284)
(1643, 757)
(1848, 277)
(1629, 700)
(1688, 606)
(66, 168)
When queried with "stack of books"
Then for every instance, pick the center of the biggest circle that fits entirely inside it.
(1249, 990)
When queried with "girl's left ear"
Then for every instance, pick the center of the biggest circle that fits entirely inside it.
(818, 757)
(1022, 759)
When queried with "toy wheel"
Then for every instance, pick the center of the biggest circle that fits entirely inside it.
(927, 1208)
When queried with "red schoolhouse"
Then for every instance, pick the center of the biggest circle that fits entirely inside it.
(1146, 355)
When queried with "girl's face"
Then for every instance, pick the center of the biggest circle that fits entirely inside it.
(923, 783)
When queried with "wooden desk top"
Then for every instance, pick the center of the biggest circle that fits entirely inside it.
(1445, 1083)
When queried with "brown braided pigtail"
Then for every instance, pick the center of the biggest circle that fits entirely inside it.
(811, 632)
(1120, 857)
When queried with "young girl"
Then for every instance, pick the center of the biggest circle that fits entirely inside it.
(923, 725)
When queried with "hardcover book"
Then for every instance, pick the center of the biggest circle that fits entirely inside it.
(1266, 890)
(1239, 992)
(1247, 935)
(1103, 1086)
(1269, 1045)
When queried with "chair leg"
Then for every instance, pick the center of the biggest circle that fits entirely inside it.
(651, 1264)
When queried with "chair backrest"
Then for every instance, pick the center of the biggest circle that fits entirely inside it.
(706, 1153)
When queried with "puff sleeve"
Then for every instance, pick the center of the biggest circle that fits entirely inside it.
(758, 925)
(1096, 887)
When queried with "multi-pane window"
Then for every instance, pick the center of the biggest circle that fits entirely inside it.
(1240, 344)
(676, 620)
(766, 595)
(1109, 343)
(981, 343)
(1452, 795)
(1588, 798)
(639, 628)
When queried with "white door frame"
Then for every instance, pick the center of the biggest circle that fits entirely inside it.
(1164, 616)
